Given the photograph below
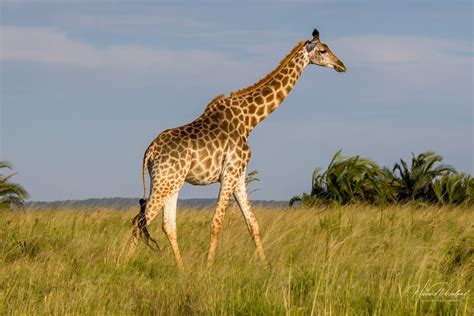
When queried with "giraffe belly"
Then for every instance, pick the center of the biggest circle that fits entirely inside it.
(201, 176)
(206, 162)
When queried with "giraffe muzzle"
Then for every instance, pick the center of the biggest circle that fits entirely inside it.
(339, 67)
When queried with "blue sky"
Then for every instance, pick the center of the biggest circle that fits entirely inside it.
(86, 85)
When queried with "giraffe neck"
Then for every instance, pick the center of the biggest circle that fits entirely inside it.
(259, 103)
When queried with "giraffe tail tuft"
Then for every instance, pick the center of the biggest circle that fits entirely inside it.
(140, 221)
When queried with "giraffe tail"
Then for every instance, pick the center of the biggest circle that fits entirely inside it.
(140, 222)
(140, 219)
(146, 157)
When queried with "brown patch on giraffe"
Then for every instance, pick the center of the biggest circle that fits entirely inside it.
(236, 111)
(259, 100)
(207, 163)
(225, 126)
(235, 122)
(234, 134)
(174, 154)
(270, 98)
(267, 91)
(280, 95)
(228, 114)
(203, 153)
(268, 77)
(173, 145)
(254, 121)
(276, 84)
(234, 102)
(222, 137)
(198, 169)
(201, 143)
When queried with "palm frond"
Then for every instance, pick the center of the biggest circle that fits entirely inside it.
(11, 194)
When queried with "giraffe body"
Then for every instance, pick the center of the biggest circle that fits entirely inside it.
(214, 148)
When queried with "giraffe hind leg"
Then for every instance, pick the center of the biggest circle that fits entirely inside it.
(169, 226)
(142, 224)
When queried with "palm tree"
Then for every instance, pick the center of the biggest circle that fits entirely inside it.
(351, 179)
(416, 182)
(11, 194)
(455, 188)
(347, 180)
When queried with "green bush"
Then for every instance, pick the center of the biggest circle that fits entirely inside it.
(416, 182)
(355, 179)
(457, 188)
(352, 179)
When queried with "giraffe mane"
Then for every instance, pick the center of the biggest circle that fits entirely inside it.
(210, 106)
(217, 98)
(269, 76)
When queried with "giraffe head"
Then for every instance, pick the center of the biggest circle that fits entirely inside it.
(320, 54)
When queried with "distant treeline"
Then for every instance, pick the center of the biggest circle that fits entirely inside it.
(126, 203)
(355, 179)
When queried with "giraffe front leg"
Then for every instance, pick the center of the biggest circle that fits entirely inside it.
(240, 194)
(227, 187)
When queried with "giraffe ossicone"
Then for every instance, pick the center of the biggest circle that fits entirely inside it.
(213, 148)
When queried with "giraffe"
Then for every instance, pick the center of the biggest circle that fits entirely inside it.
(214, 148)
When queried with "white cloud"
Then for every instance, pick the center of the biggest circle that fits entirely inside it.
(395, 67)
(46, 45)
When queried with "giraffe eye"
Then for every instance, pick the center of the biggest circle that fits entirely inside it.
(322, 51)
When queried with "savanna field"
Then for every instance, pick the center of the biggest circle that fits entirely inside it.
(338, 260)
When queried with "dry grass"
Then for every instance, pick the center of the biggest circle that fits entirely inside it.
(342, 260)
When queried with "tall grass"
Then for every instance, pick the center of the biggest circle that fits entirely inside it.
(348, 260)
